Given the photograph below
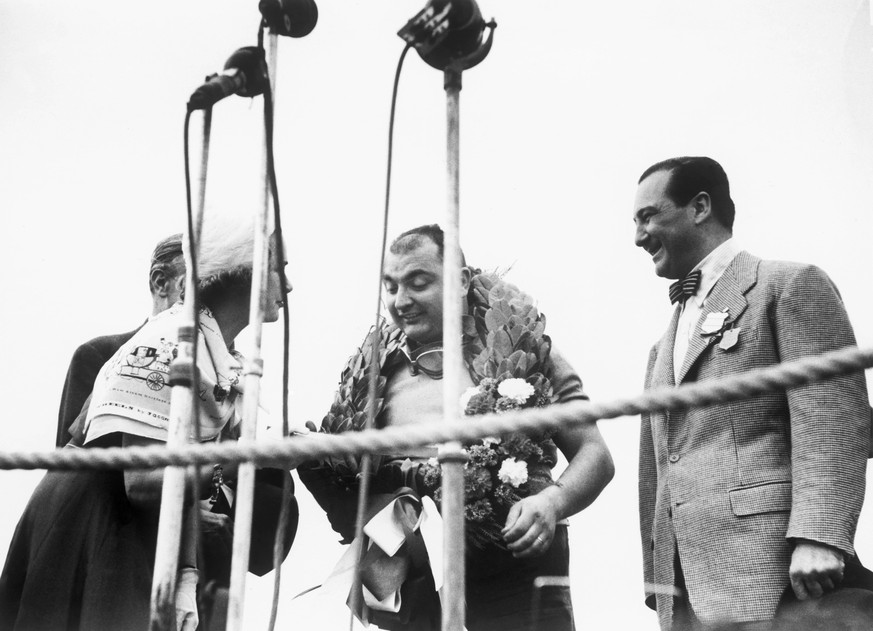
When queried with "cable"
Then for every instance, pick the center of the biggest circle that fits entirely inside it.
(195, 471)
(364, 488)
(193, 240)
(282, 526)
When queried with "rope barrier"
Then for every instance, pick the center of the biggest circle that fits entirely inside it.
(395, 439)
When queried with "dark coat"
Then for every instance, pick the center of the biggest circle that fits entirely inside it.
(86, 363)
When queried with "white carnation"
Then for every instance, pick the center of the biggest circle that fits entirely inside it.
(517, 389)
(491, 440)
(468, 394)
(513, 472)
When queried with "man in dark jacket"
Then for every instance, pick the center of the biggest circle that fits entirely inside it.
(166, 278)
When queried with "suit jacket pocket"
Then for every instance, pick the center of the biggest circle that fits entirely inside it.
(770, 497)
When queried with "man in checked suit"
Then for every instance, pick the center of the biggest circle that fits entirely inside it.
(166, 278)
(748, 508)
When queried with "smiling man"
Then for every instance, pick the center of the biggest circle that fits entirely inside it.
(745, 507)
(414, 287)
(532, 539)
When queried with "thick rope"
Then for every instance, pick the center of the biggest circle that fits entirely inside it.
(292, 451)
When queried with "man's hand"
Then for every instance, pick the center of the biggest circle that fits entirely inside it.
(530, 526)
(815, 568)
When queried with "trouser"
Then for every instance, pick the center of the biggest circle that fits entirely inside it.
(847, 608)
(501, 593)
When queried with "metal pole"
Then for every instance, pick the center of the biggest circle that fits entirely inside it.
(182, 409)
(254, 369)
(451, 456)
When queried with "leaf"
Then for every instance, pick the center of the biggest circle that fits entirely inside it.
(495, 319)
(479, 363)
(497, 293)
(525, 342)
(504, 308)
(532, 362)
(522, 310)
(500, 342)
(356, 362)
(544, 348)
(515, 333)
(359, 421)
(505, 374)
(359, 401)
(518, 363)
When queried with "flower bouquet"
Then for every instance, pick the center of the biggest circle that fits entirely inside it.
(499, 472)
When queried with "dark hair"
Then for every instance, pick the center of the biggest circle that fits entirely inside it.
(692, 175)
(166, 258)
(227, 282)
(413, 239)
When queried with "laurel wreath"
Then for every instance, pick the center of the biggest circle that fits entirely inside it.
(504, 337)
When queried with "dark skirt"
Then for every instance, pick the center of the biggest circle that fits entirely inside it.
(81, 557)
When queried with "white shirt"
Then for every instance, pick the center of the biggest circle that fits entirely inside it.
(711, 267)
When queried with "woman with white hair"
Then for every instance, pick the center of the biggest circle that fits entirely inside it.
(83, 552)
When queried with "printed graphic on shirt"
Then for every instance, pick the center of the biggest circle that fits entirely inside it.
(150, 364)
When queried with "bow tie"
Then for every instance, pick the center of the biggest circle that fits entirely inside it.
(683, 289)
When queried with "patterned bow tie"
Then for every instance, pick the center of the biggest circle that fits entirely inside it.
(683, 289)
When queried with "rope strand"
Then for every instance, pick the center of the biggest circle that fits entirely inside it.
(391, 439)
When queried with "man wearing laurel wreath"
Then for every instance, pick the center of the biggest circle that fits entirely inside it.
(515, 512)
(748, 509)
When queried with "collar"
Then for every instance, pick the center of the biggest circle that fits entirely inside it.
(712, 267)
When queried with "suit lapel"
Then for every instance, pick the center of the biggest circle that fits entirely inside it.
(662, 372)
(727, 294)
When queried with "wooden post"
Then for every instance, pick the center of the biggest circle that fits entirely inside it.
(451, 455)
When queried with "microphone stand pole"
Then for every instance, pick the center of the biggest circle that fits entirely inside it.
(254, 369)
(182, 426)
(449, 38)
(451, 455)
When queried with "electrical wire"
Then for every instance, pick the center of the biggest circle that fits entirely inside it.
(375, 341)
(193, 237)
(282, 526)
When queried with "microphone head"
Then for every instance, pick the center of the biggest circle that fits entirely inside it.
(445, 31)
(293, 18)
(250, 61)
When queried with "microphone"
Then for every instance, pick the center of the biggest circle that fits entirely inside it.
(446, 32)
(293, 18)
(245, 73)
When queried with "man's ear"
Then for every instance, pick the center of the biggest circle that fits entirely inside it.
(466, 276)
(702, 205)
(158, 281)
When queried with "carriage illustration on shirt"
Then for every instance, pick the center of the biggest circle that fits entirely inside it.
(150, 364)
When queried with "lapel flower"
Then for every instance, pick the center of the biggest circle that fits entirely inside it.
(718, 328)
(714, 324)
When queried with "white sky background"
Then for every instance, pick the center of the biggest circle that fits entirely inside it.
(574, 101)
